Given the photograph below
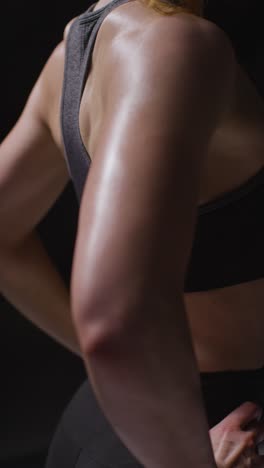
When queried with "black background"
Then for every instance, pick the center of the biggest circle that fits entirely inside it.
(38, 376)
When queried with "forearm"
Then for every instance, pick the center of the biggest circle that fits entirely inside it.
(147, 383)
(30, 281)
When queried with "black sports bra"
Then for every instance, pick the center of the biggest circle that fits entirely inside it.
(227, 247)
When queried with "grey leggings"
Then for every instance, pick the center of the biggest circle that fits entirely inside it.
(84, 438)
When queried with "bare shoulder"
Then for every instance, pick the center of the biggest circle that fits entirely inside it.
(174, 53)
(50, 84)
(55, 62)
(51, 79)
(190, 38)
(175, 81)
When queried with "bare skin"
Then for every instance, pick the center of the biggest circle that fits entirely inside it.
(223, 171)
(233, 439)
(236, 153)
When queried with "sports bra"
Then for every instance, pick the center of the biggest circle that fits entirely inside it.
(228, 241)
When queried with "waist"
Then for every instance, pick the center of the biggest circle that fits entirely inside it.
(223, 391)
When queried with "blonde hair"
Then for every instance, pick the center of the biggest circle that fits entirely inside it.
(172, 7)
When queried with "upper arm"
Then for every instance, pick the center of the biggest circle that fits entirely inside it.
(138, 209)
(33, 172)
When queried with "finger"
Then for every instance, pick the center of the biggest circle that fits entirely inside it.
(255, 424)
(250, 458)
(243, 415)
(260, 447)
(260, 432)
(241, 457)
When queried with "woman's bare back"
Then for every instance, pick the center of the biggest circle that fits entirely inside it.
(226, 323)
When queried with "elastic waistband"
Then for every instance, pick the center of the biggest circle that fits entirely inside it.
(230, 373)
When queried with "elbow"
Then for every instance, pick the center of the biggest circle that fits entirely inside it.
(103, 309)
(102, 334)
(89, 328)
(93, 337)
(106, 324)
(99, 323)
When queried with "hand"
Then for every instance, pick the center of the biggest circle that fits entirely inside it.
(234, 439)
